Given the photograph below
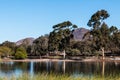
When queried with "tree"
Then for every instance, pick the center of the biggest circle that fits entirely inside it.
(73, 52)
(53, 41)
(20, 53)
(59, 38)
(5, 51)
(100, 31)
(115, 39)
(29, 49)
(40, 45)
(84, 47)
(10, 45)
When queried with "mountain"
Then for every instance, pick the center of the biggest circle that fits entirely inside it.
(79, 33)
(28, 41)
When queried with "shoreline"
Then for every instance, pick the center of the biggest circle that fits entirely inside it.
(66, 60)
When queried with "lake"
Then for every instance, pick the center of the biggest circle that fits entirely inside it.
(60, 67)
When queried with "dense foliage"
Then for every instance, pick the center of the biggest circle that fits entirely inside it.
(59, 38)
(40, 46)
(5, 51)
(20, 53)
(101, 35)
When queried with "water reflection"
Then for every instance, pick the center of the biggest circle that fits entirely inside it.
(60, 67)
(31, 71)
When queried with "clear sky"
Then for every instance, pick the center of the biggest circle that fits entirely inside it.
(32, 18)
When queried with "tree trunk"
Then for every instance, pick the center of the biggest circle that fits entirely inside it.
(103, 53)
(40, 56)
(64, 54)
(8, 55)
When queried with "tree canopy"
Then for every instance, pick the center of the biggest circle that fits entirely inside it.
(40, 46)
(20, 53)
(59, 38)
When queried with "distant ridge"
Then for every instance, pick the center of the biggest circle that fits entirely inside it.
(28, 41)
(79, 33)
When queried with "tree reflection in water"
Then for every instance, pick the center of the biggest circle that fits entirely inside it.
(60, 67)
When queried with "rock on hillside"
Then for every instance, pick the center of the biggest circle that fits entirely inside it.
(79, 33)
(28, 41)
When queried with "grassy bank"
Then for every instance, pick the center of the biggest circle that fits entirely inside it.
(45, 76)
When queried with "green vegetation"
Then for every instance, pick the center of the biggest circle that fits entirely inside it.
(101, 34)
(72, 52)
(40, 46)
(5, 51)
(100, 31)
(60, 37)
(45, 76)
(20, 53)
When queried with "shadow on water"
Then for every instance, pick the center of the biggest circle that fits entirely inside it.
(60, 67)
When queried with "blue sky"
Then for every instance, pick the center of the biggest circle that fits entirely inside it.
(32, 18)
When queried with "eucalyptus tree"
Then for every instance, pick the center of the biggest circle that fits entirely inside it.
(40, 45)
(61, 35)
(84, 47)
(100, 31)
(115, 39)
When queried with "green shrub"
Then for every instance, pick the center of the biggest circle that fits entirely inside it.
(20, 53)
(73, 52)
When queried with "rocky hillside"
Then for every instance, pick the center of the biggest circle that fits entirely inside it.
(79, 33)
(27, 41)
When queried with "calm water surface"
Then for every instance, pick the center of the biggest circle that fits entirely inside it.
(60, 67)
